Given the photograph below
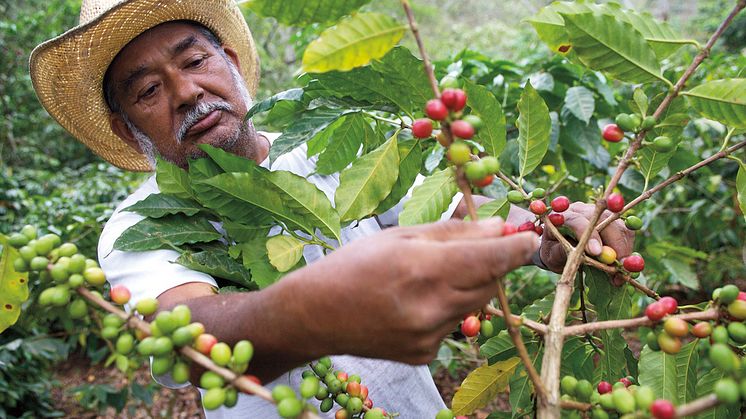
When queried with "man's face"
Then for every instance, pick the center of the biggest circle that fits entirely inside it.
(179, 90)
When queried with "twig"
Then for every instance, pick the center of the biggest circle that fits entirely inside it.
(572, 404)
(515, 335)
(510, 182)
(582, 329)
(697, 406)
(463, 185)
(421, 46)
(678, 176)
(533, 325)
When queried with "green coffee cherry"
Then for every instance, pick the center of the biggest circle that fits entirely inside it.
(77, 264)
(474, 120)
(720, 334)
(728, 294)
(636, 121)
(625, 122)
(231, 397)
(161, 365)
(309, 387)
(38, 263)
(68, 249)
(583, 390)
(722, 357)
(18, 240)
(220, 353)
(727, 391)
(652, 340)
(568, 384)
(538, 193)
(27, 253)
(181, 315)
(29, 231)
(515, 197)
(146, 346)
(180, 372)
(644, 397)
(210, 379)
(109, 332)
(662, 144)
(624, 401)
(20, 265)
(326, 405)
(243, 351)
(649, 122)
(125, 343)
(633, 223)
(147, 306)
(213, 398)
(77, 309)
(162, 346)
(281, 392)
(75, 281)
(737, 332)
(492, 164)
(289, 408)
(182, 336)
(475, 170)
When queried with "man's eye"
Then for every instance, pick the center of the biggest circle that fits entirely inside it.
(148, 93)
(197, 62)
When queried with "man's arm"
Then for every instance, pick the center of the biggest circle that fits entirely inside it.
(393, 295)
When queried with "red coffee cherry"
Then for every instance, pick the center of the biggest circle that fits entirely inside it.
(470, 327)
(662, 409)
(435, 109)
(560, 204)
(604, 387)
(625, 381)
(462, 129)
(509, 229)
(539, 230)
(422, 128)
(453, 99)
(485, 181)
(612, 133)
(634, 263)
(702, 330)
(741, 296)
(538, 207)
(556, 219)
(670, 304)
(615, 202)
(527, 226)
(655, 311)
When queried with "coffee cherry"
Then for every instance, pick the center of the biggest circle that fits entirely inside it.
(120, 294)
(78, 309)
(538, 207)
(475, 170)
(470, 327)
(720, 334)
(612, 133)
(474, 120)
(309, 387)
(422, 128)
(626, 381)
(669, 344)
(728, 294)
(599, 413)
(649, 122)
(462, 129)
(18, 240)
(737, 309)
(702, 330)
(634, 263)
(453, 99)
(633, 223)
(644, 397)
(527, 226)
(624, 401)
(38, 263)
(655, 311)
(625, 122)
(181, 315)
(636, 121)
(662, 409)
(220, 353)
(94, 276)
(676, 327)
(231, 397)
(491, 163)
(28, 253)
(243, 351)
(459, 153)
(604, 387)
(556, 219)
(484, 182)
(214, 398)
(162, 346)
(180, 372)
(486, 329)
(147, 306)
(737, 332)
(29, 231)
(560, 204)
(726, 391)
(435, 109)
(662, 144)
(615, 202)
(722, 357)
(509, 229)
(376, 413)
(607, 256)
(669, 304)
(539, 230)
(166, 322)
(568, 384)
(652, 340)
(125, 344)
(741, 296)
(584, 390)
(515, 197)
(204, 343)
(538, 193)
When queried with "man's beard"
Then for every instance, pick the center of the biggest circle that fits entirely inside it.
(194, 115)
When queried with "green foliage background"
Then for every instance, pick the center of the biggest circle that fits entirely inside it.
(694, 234)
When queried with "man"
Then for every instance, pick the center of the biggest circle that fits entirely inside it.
(146, 77)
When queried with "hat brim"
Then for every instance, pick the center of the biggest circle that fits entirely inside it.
(67, 72)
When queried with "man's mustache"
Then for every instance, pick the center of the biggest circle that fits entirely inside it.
(197, 113)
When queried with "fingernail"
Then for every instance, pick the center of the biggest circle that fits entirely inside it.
(594, 246)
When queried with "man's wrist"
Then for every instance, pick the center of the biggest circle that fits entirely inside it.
(536, 260)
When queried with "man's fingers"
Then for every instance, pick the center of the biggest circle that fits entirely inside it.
(578, 223)
(617, 236)
(456, 230)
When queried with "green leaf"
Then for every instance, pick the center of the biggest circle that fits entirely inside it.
(482, 385)
(652, 162)
(498, 348)
(583, 140)
(521, 387)
(580, 102)
(304, 129)
(658, 371)
(430, 199)
(284, 251)
(661, 37)
(606, 44)
(534, 129)
(721, 100)
(159, 205)
(227, 161)
(344, 143)
(294, 95)
(304, 12)
(705, 386)
(255, 258)
(353, 42)
(686, 368)
(217, 263)
(172, 179)
(395, 81)
(641, 100)
(577, 359)
(13, 285)
(496, 208)
(681, 273)
(166, 232)
(249, 229)
(741, 188)
(485, 105)
(540, 308)
(611, 303)
(410, 161)
(367, 182)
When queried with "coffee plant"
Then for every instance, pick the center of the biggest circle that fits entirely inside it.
(380, 117)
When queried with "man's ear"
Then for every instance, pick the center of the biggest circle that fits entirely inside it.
(120, 128)
(233, 56)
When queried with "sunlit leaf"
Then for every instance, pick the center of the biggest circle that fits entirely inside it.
(485, 105)
(13, 285)
(482, 385)
(430, 199)
(721, 100)
(304, 12)
(534, 129)
(218, 264)
(172, 179)
(163, 233)
(159, 205)
(410, 161)
(284, 251)
(343, 144)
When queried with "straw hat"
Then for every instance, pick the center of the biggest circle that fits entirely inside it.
(68, 71)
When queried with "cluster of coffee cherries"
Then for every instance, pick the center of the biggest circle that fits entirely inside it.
(668, 338)
(481, 324)
(447, 414)
(448, 109)
(537, 206)
(332, 386)
(635, 123)
(623, 397)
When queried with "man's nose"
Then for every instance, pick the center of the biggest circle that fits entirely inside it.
(187, 93)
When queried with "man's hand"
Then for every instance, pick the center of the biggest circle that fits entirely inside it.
(577, 218)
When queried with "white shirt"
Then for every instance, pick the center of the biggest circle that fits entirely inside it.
(393, 386)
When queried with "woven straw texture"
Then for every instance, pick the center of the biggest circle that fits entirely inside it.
(67, 72)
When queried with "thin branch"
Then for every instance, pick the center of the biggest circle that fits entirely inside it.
(572, 404)
(463, 185)
(697, 406)
(678, 176)
(505, 178)
(533, 325)
(582, 329)
(421, 46)
(515, 335)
